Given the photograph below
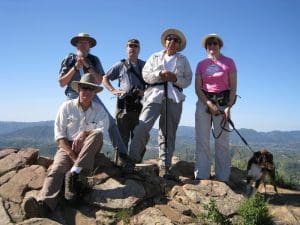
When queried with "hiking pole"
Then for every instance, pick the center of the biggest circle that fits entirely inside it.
(243, 139)
(166, 116)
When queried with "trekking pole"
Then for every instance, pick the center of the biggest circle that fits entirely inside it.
(166, 116)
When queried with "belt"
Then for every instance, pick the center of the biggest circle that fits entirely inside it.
(162, 83)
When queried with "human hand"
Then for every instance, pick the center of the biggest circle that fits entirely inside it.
(79, 62)
(78, 142)
(118, 92)
(72, 155)
(213, 109)
(227, 112)
(168, 76)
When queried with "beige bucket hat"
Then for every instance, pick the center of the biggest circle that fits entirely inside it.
(204, 40)
(84, 36)
(88, 80)
(176, 32)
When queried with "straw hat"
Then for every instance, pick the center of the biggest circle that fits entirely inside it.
(84, 36)
(204, 40)
(88, 80)
(176, 32)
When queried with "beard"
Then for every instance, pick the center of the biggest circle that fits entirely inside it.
(81, 53)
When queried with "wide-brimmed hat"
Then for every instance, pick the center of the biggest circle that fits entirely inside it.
(88, 80)
(84, 36)
(204, 40)
(176, 32)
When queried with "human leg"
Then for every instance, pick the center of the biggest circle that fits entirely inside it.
(54, 180)
(86, 157)
(113, 130)
(222, 152)
(173, 118)
(202, 153)
(148, 116)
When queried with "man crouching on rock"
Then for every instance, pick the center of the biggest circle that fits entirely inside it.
(78, 131)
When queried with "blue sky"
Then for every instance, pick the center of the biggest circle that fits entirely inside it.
(260, 35)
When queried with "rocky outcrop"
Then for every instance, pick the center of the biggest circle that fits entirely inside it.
(138, 198)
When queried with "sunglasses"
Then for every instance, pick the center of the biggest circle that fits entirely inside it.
(175, 39)
(87, 88)
(210, 43)
(133, 46)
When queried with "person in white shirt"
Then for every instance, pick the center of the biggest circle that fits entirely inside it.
(167, 72)
(78, 131)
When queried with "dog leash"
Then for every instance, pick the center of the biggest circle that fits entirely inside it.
(242, 138)
(223, 123)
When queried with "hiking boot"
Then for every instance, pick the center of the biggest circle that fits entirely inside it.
(164, 172)
(125, 163)
(71, 186)
(34, 208)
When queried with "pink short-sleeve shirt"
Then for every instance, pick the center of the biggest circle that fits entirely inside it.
(215, 74)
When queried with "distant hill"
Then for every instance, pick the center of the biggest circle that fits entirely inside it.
(43, 132)
(7, 126)
(285, 145)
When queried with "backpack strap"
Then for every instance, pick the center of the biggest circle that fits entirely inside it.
(130, 68)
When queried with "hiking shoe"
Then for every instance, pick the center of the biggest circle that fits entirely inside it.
(34, 208)
(71, 186)
(125, 163)
(164, 172)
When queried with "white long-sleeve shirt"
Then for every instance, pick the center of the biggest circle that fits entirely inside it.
(154, 65)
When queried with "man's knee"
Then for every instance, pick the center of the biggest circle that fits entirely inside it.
(96, 136)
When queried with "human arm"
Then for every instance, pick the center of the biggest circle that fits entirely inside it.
(183, 72)
(107, 84)
(201, 95)
(232, 95)
(64, 144)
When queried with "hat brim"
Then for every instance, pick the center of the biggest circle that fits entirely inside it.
(175, 32)
(75, 86)
(92, 41)
(203, 42)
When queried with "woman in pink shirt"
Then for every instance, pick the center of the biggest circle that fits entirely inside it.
(215, 85)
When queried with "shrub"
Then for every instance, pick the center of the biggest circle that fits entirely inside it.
(254, 211)
(214, 215)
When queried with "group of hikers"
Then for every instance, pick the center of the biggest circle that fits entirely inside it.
(146, 91)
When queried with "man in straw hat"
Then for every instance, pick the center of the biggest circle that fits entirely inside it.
(78, 131)
(74, 66)
(167, 72)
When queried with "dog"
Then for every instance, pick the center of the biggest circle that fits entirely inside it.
(259, 166)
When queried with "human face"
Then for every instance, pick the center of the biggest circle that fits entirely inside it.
(86, 94)
(172, 44)
(133, 51)
(83, 46)
(213, 46)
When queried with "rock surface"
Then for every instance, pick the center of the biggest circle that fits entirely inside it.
(138, 198)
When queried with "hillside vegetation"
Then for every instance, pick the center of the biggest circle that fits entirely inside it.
(285, 145)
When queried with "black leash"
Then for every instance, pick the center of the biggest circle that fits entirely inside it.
(223, 123)
(242, 138)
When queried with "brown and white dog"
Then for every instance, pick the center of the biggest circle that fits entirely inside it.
(259, 166)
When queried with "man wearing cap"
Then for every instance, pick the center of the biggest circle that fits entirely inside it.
(74, 66)
(130, 91)
(78, 131)
(167, 72)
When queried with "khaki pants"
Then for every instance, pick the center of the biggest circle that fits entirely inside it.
(62, 164)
